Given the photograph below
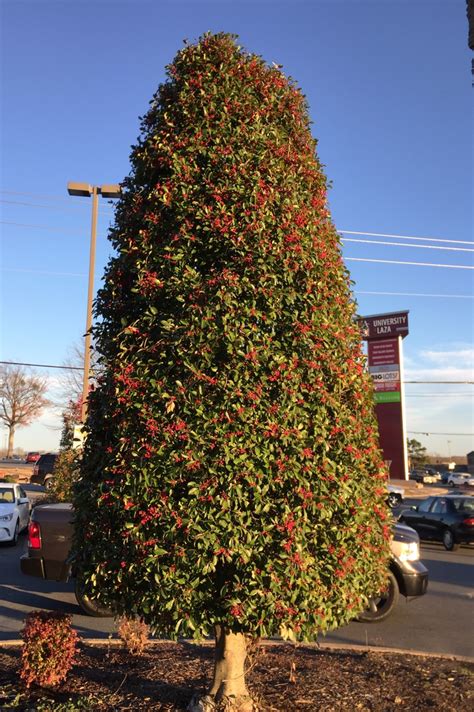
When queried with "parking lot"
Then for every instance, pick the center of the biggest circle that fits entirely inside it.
(442, 621)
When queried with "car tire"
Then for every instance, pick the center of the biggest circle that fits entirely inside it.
(88, 605)
(449, 541)
(48, 483)
(381, 606)
(16, 533)
(451, 484)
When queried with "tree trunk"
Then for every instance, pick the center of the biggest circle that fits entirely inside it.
(11, 437)
(229, 691)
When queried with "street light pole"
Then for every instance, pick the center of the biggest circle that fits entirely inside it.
(86, 190)
(90, 297)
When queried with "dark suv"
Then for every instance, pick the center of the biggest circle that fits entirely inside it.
(43, 470)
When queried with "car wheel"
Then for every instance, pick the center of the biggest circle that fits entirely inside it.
(14, 541)
(381, 606)
(394, 499)
(449, 542)
(48, 483)
(452, 484)
(88, 605)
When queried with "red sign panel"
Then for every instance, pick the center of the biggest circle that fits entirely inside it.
(383, 352)
(383, 332)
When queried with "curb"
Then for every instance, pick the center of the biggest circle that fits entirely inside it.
(419, 491)
(326, 647)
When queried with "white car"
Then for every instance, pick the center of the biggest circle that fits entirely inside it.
(456, 479)
(14, 511)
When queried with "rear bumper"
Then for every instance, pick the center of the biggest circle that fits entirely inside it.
(50, 570)
(32, 567)
(464, 535)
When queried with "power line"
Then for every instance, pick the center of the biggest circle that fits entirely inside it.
(419, 432)
(55, 198)
(42, 196)
(407, 237)
(63, 209)
(396, 262)
(42, 227)
(375, 242)
(357, 291)
(443, 382)
(349, 259)
(39, 271)
(79, 368)
(61, 198)
(41, 365)
(418, 294)
(408, 244)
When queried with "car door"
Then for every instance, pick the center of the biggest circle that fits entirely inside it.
(416, 518)
(436, 518)
(23, 505)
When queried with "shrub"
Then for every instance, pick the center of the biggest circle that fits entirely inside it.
(49, 648)
(134, 634)
(231, 477)
(10, 478)
(65, 475)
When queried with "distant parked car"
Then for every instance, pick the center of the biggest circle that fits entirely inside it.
(395, 495)
(434, 473)
(43, 470)
(448, 518)
(422, 476)
(32, 457)
(14, 512)
(445, 475)
(456, 479)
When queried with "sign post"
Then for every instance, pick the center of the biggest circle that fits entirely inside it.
(384, 334)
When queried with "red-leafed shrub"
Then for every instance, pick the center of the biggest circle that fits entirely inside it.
(134, 634)
(49, 648)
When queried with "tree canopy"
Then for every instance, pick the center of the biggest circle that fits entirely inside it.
(416, 452)
(22, 399)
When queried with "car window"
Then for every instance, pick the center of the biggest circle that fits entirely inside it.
(46, 460)
(425, 505)
(7, 495)
(463, 504)
(22, 492)
(440, 506)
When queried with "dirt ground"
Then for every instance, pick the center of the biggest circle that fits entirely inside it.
(281, 678)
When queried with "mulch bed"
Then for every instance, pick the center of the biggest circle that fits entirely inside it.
(282, 678)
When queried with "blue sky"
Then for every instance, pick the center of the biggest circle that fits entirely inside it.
(389, 91)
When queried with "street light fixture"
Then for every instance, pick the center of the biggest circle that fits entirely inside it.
(86, 190)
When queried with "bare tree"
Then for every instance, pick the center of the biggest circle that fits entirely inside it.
(71, 380)
(22, 398)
